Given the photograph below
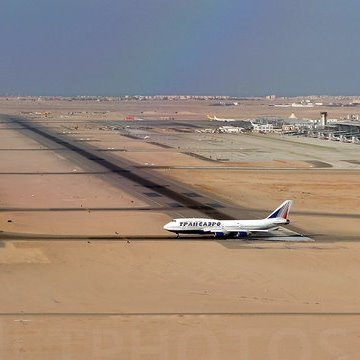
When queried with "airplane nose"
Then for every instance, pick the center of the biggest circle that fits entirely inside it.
(166, 226)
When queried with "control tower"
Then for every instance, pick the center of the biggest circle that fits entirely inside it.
(323, 119)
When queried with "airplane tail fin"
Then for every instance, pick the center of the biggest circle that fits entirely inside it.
(210, 117)
(282, 211)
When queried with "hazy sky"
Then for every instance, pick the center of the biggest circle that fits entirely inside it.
(230, 47)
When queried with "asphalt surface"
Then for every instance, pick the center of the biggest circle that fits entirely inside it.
(141, 182)
(159, 192)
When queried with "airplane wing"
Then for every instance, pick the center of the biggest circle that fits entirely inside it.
(235, 231)
(213, 230)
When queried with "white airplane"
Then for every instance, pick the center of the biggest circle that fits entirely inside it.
(231, 228)
(215, 118)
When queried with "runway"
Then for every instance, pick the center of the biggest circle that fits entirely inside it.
(284, 236)
(162, 194)
(151, 184)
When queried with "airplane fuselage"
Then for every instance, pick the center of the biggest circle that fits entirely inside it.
(205, 226)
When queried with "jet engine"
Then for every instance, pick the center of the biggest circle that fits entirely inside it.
(242, 234)
(221, 234)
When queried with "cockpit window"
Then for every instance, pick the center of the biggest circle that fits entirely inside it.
(173, 220)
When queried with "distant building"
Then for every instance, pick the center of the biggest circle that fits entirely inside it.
(263, 128)
(230, 129)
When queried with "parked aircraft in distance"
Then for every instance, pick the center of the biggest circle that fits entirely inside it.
(215, 118)
(231, 228)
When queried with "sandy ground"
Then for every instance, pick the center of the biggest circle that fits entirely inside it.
(96, 299)
(68, 191)
(249, 284)
(147, 276)
(180, 337)
(87, 222)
